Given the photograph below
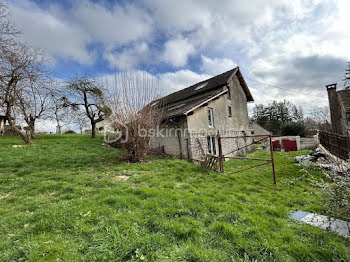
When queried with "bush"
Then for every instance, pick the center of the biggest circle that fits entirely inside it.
(69, 132)
(338, 200)
(294, 129)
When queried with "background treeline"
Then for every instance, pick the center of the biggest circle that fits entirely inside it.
(285, 118)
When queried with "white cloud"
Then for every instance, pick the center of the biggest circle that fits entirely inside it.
(46, 30)
(172, 82)
(216, 66)
(177, 51)
(178, 16)
(114, 24)
(128, 58)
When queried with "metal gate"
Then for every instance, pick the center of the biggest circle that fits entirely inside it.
(259, 138)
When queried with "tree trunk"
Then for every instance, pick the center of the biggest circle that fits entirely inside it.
(59, 130)
(25, 138)
(93, 129)
(32, 128)
(11, 122)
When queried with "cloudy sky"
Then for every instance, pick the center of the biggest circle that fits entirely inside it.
(298, 46)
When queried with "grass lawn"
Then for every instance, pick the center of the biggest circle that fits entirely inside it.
(60, 201)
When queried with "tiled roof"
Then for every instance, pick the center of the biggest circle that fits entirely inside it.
(183, 106)
(184, 100)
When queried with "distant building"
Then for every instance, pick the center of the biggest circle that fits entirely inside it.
(339, 106)
(258, 130)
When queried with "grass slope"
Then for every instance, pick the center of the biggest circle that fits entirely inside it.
(60, 201)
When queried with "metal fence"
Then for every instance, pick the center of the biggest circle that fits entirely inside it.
(228, 155)
(336, 144)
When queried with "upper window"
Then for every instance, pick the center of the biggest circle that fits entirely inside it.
(228, 92)
(229, 111)
(210, 117)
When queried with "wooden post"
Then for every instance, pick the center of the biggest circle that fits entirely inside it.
(221, 157)
(272, 161)
(348, 142)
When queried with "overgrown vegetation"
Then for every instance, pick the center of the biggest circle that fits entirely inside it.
(136, 115)
(338, 197)
(337, 200)
(285, 118)
(63, 199)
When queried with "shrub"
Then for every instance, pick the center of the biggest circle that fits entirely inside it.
(134, 115)
(69, 132)
(294, 129)
(338, 200)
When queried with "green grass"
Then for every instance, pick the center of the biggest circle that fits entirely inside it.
(60, 201)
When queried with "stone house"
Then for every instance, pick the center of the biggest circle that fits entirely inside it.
(192, 117)
(339, 106)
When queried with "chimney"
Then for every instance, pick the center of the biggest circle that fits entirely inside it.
(334, 108)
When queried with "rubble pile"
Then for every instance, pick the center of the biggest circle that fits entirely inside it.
(319, 158)
(315, 156)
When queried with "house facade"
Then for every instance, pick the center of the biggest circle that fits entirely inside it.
(193, 117)
(339, 106)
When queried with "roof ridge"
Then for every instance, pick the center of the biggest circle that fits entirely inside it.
(198, 83)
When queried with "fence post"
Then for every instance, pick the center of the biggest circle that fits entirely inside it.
(338, 148)
(348, 142)
(272, 161)
(221, 157)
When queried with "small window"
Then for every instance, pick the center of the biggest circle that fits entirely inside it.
(229, 111)
(210, 117)
(211, 145)
(201, 86)
(228, 92)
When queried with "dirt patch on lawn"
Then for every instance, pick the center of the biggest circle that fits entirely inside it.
(121, 178)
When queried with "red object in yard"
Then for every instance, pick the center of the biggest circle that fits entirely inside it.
(289, 145)
(276, 145)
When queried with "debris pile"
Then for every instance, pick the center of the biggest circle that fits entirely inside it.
(319, 158)
(315, 156)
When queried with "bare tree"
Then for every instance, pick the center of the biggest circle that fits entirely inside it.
(32, 103)
(57, 110)
(134, 115)
(87, 94)
(20, 67)
(80, 119)
(321, 118)
(8, 32)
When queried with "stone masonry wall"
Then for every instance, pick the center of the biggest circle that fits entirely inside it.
(199, 145)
